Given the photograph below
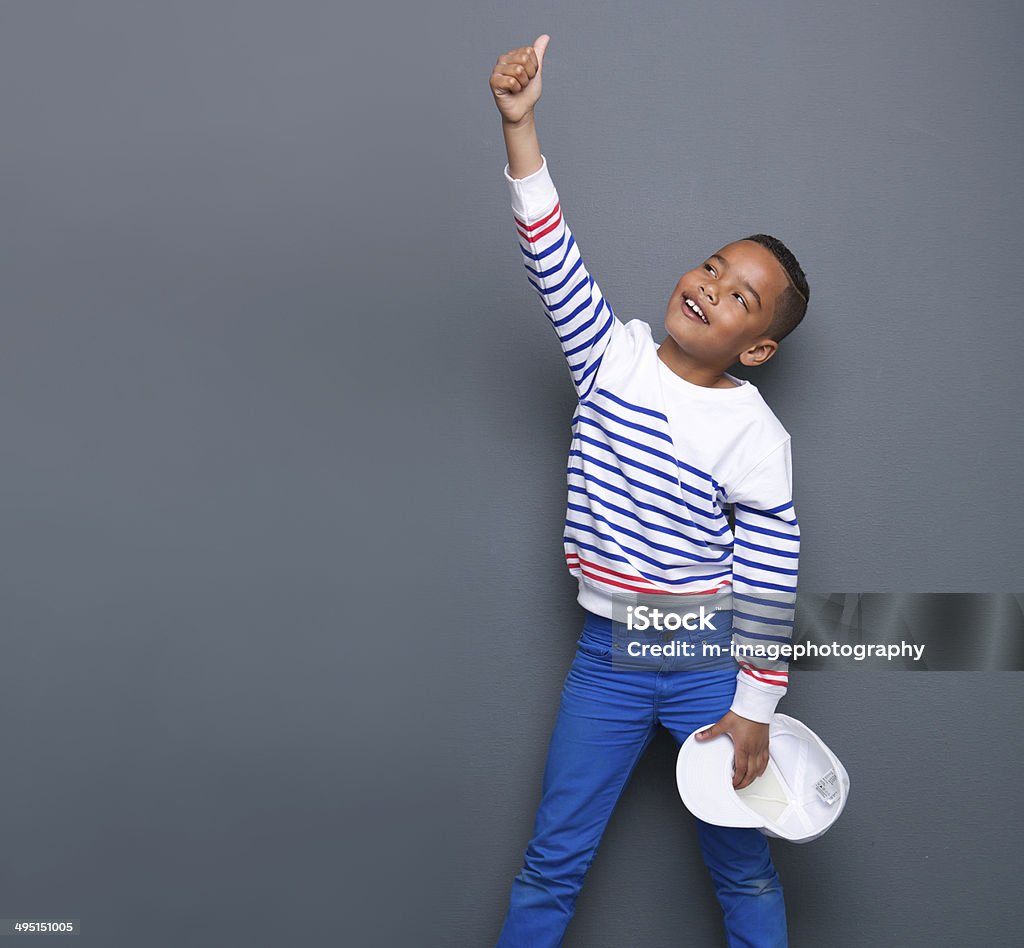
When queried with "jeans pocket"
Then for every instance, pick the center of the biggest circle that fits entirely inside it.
(592, 647)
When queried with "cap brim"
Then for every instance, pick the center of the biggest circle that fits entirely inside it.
(704, 781)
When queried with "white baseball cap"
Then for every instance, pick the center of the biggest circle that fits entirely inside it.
(798, 797)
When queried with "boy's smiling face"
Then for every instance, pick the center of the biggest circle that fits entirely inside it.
(737, 289)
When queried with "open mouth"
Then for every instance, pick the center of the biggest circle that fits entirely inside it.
(693, 310)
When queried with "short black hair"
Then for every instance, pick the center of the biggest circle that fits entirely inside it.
(792, 303)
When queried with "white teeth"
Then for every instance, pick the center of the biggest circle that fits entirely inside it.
(696, 309)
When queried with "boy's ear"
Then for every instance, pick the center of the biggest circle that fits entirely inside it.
(760, 352)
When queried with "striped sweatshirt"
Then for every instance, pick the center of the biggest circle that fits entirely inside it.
(655, 462)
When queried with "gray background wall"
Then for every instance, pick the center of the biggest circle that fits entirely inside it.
(284, 613)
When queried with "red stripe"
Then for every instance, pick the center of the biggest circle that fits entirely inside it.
(765, 671)
(607, 569)
(533, 238)
(631, 588)
(767, 681)
(540, 223)
(649, 588)
(629, 576)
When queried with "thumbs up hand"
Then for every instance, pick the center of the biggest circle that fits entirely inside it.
(515, 80)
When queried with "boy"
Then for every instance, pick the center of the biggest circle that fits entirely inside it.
(664, 438)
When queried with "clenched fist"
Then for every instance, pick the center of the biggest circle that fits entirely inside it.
(515, 81)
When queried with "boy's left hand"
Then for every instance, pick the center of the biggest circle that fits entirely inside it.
(750, 746)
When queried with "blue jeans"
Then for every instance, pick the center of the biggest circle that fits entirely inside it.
(607, 717)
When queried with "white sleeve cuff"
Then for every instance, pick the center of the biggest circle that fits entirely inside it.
(536, 192)
(753, 703)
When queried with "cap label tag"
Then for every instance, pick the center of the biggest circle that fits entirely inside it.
(828, 787)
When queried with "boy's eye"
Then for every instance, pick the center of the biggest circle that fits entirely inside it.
(742, 300)
(707, 266)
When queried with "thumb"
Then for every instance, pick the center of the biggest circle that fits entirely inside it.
(709, 732)
(540, 44)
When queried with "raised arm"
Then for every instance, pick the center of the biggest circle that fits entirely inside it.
(515, 84)
(522, 146)
(582, 319)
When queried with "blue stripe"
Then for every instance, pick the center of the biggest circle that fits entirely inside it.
(747, 580)
(630, 424)
(639, 503)
(743, 525)
(595, 339)
(675, 534)
(764, 602)
(754, 564)
(767, 512)
(545, 292)
(668, 457)
(640, 485)
(703, 495)
(607, 554)
(701, 474)
(636, 536)
(594, 366)
(547, 251)
(585, 307)
(715, 516)
(578, 417)
(564, 340)
(630, 406)
(784, 639)
(774, 551)
(662, 580)
(625, 460)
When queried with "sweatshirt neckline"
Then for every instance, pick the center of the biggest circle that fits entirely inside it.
(691, 387)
